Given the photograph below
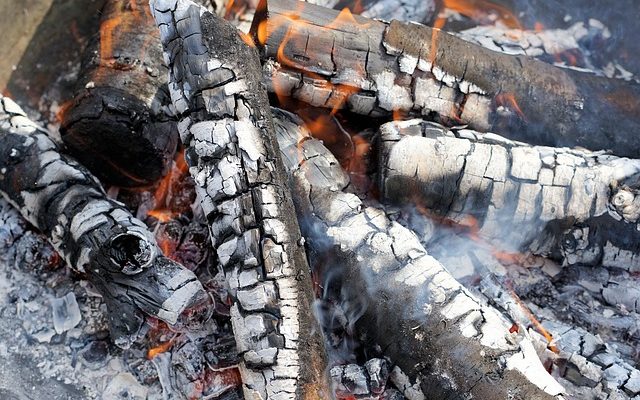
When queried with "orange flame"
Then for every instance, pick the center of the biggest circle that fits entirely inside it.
(484, 12)
(163, 193)
(536, 324)
(508, 100)
(126, 16)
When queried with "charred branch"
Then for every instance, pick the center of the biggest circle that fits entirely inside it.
(225, 125)
(577, 206)
(116, 124)
(444, 342)
(95, 235)
(376, 68)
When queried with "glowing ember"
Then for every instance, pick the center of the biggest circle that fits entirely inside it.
(159, 349)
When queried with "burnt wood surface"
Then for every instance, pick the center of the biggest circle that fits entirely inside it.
(443, 340)
(116, 125)
(225, 125)
(376, 68)
(577, 206)
(95, 235)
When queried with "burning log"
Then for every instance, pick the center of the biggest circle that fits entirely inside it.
(96, 236)
(216, 86)
(573, 205)
(117, 124)
(443, 339)
(374, 68)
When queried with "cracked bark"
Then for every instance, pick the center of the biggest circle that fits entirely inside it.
(376, 68)
(225, 125)
(116, 124)
(577, 206)
(95, 235)
(444, 341)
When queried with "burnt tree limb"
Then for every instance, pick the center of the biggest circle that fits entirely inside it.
(376, 68)
(95, 235)
(225, 125)
(577, 206)
(116, 125)
(446, 342)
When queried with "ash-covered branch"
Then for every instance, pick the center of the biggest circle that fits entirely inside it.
(117, 125)
(94, 234)
(225, 125)
(444, 341)
(376, 68)
(577, 206)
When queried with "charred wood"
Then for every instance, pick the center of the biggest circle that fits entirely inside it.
(225, 125)
(95, 235)
(376, 68)
(116, 124)
(577, 206)
(445, 342)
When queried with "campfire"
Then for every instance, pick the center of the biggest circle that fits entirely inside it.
(377, 199)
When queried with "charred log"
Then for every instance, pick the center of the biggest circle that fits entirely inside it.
(225, 125)
(95, 235)
(577, 206)
(444, 342)
(116, 124)
(374, 68)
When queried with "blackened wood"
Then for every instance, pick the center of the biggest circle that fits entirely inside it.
(577, 206)
(375, 68)
(116, 125)
(95, 235)
(225, 125)
(444, 342)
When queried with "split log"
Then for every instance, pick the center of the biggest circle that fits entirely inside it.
(444, 340)
(374, 68)
(116, 125)
(96, 236)
(577, 206)
(225, 125)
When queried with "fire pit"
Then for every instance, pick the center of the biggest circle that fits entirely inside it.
(316, 200)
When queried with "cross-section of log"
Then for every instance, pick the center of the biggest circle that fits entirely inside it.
(446, 342)
(116, 125)
(374, 68)
(226, 127)
(96, 236)
(579, 206)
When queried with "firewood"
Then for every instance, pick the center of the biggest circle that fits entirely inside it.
(575, 205)
(376, 68)
(95, 235)
(116, 125)
(444, 342)
(226, 127)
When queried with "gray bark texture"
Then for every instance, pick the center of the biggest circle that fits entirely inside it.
(226, 127)
(443, 341)
(116, 124)
(95, 235)
(376, 68)
(577, 206)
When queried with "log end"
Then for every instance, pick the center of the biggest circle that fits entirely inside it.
(118, 138)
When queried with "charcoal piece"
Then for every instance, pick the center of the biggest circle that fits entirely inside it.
(383, 69)
(95, 235)
(117, 124)
(215, 82)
